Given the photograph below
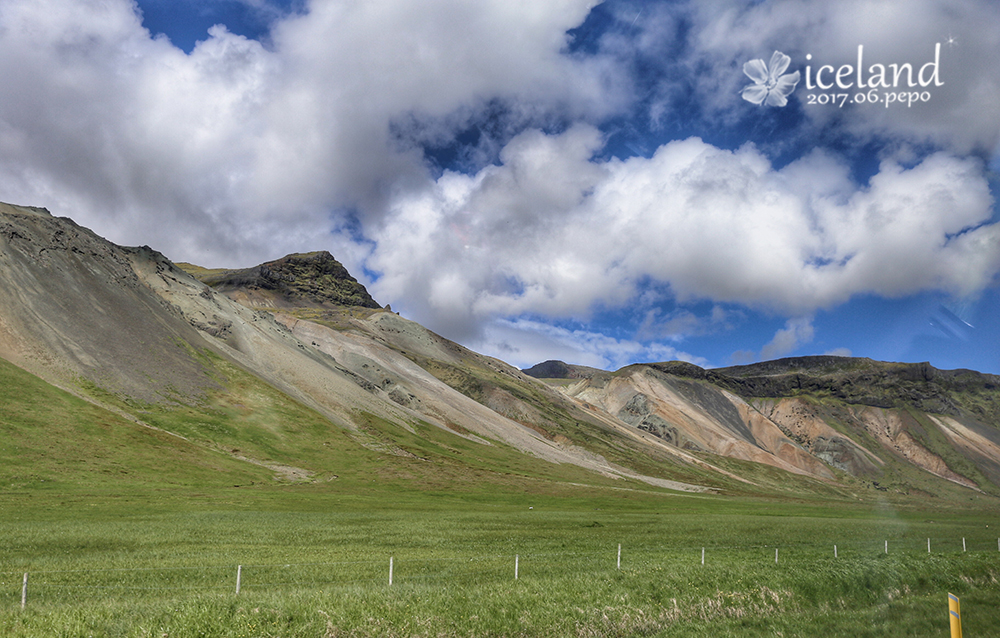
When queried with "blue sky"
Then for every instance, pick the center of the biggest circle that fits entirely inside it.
(596, 184)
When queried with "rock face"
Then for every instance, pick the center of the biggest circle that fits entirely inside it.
(559, 370)
(300, 279)
(804, 423)
(857, 381)
(697, 417)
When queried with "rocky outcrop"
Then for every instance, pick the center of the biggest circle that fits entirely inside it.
(559, 370)
(296, 280)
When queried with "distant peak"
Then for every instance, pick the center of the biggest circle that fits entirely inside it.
(553, 369)
(313, 278)
(14, 209)
(315, 256)
(550, 369)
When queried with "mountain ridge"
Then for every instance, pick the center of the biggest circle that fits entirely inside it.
(224, 365)
(127, 329)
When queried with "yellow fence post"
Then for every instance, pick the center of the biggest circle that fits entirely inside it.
(956, 616)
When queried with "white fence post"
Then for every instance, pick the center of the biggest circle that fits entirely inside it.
(887, 547)
(517, 565)
(963, 543)
(619, 555)
(702, 555)
(239, 576)
(834, 551)
(775, 555)
(928, 546)
(390, 571)
(24, 591)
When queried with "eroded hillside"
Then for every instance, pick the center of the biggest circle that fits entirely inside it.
(293, 367)
(883, 424)
(126, 328)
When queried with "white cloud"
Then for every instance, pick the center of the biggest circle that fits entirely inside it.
(524, 343)
(238, 153)
(724, 35)
(682, 323)
(797, 332)
(839, 352)
(553, 232)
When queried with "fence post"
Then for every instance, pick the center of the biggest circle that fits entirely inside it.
(887, 547)
(834, 551)
(24, 591)
(702, 555)
(619, 555)
(775, 555)
(963, 543)
(517, 565)
(390, 571)
(239, 577)
(928, 546)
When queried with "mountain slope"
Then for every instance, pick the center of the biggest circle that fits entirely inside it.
(826, 417)
(126, 328)
(291, 369)
(410, 360)
(72, 305)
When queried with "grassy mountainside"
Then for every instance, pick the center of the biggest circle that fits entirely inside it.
(56, 443)
(157, 438)
(271, 365)
(238, 442)
(127, 330)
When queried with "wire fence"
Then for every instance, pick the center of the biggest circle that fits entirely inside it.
(78, 585)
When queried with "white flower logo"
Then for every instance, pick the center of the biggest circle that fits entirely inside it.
(770, 87)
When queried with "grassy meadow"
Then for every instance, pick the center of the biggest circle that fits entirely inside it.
(128, 530)
(315, 565)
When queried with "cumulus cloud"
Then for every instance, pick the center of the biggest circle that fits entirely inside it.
(723, 35)
(524, 342)
(553, 231)
(239, 152)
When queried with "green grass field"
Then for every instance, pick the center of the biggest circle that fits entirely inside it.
(319, 566)
(130, 531)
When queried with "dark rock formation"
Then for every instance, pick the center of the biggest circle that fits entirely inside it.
(315, 278)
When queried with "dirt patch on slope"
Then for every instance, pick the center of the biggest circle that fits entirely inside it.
(889, 428)
(802, 423)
